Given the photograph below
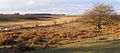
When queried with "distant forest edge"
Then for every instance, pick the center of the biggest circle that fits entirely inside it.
(33, 14)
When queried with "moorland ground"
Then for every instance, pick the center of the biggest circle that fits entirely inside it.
(59, 34)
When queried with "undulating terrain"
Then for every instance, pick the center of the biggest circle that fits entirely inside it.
(58, 34)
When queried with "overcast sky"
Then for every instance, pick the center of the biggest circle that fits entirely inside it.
(51, 6)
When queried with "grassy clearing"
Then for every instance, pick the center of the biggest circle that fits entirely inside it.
(88, 47)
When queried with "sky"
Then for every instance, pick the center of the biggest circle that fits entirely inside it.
(70, 7)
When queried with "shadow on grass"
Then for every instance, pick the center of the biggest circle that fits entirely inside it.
(17, 19)
(112, 47)
(8, 20)
(37, 18)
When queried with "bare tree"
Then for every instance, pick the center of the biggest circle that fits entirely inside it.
(101, 14)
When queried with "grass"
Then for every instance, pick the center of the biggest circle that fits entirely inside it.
(91, 47)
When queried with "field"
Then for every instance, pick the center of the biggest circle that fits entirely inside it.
(30, 21)
(57, 34)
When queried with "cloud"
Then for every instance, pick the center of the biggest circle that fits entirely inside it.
(30, 2)
(54, 6)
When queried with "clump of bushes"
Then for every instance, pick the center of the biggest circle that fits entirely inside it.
(8, 41)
